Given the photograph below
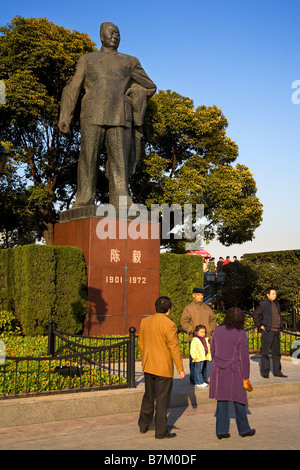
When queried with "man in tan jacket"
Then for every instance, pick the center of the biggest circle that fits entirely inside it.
(159, 348)
(197, 313)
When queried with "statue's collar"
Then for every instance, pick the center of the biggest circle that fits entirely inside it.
(108, 51)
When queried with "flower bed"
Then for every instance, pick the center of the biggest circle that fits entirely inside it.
(33, 372)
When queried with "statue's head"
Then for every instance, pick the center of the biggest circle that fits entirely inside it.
(110, 35)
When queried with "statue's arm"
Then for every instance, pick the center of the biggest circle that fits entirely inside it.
(70, 96)
(140, 77)
(142, 88)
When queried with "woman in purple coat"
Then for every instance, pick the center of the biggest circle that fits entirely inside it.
(230, 365)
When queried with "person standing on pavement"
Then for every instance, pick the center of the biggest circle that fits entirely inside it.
(230, 365)
(197, 313)
(159, 348)
(267, 318)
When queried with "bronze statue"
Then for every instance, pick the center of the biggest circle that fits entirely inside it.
(112, 112)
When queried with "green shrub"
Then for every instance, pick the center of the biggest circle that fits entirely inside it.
(71, 290)
(9, 324)
(41, 282)
(34, 287)
(281, 270)
(5, 271)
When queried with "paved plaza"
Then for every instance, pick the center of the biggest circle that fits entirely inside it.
(276, 420)
(275, 416)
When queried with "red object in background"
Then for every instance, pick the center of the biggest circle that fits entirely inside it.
(201, 252)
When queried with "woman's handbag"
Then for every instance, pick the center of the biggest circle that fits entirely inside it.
(247, 385)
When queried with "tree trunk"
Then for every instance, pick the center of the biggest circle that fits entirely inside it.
(49, 233)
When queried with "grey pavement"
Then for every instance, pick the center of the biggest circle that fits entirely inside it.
(108, 420)
(276, 420)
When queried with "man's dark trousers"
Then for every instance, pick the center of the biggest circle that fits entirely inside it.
(157, 389)
(270, 340)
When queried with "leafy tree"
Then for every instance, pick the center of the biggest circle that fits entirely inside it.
(232, 208)
(238, 285)
(285, 278)
(36, 59)
(19, 219)
(188, 159)
(19, 222)
(280, 270)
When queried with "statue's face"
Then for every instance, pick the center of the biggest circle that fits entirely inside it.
(110, 37)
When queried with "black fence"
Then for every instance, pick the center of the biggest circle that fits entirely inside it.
(76, 363)
(287, 338)
(72, 364)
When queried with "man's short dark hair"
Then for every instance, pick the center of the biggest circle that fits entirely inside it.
(163, 304)
(268, 290)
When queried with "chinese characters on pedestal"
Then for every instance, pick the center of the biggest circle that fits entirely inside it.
(115, 258)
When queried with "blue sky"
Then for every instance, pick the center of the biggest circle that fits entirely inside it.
(241, 56)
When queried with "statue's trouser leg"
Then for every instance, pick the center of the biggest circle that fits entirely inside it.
(92, 138)
(118, 144)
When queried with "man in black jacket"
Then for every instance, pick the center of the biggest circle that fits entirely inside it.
(267, 318)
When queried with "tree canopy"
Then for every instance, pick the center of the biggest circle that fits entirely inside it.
(188, 159)
(36, 59)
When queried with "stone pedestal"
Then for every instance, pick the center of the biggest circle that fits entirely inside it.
(122, 273)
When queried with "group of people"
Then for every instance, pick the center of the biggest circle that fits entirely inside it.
(219, 359)
(210, 264)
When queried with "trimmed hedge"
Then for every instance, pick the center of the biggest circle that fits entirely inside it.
(5, 257)
(281, 257)
(71, 289)
(179, 274)
(41, 282)
(33, 287)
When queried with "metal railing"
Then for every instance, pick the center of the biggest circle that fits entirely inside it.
(82, 367)
(287, 337)
(76, 363)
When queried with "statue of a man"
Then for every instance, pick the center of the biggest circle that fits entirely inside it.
(112, 112)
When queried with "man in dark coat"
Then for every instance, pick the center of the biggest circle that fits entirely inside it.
(267, 318)
(220, 264)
